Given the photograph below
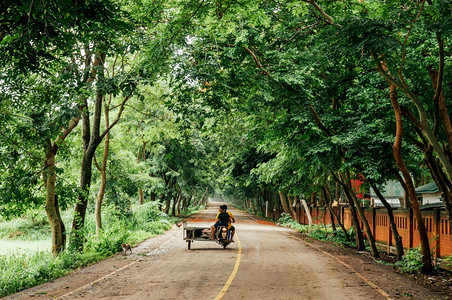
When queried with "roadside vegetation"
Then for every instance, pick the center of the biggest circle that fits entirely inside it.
(22, 269)
(411, 261)
(319, 232)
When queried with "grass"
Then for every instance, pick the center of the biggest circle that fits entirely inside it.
(319, 232)
(33, 227)
(26, 260)
(11, 246)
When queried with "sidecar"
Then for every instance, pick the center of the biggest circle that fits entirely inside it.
(198, 233)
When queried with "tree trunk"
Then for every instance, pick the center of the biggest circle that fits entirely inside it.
(321, 200)
(90, 143)
(82, 202)
(307, 211)
(103, 171)
(91, 140)
(395, 232)
(284, 203)
(437, 80)
(176, 201)
(359, 238)
(336, 192)
(291, 207)
(313, 199)
(52, 208)
(168, 198)
(425, 246)
(405, 189)
(370, 238)
(49, 174)
(441, 180)
(203, 196)
(328, 202)
(333, 214)
(141, 156)
(188, 202)
(180, 203)
(327, 205)
(423, 120)
(140, 196)
(268, 202)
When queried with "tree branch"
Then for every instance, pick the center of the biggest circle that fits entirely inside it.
(256, 60)
(121, 109)
(327, 17)
(318, 122)
(96, 163)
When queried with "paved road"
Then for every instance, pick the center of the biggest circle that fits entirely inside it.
(265, 262)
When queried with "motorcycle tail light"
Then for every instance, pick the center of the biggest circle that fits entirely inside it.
(224, 229)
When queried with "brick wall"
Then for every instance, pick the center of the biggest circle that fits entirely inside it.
(436, 222)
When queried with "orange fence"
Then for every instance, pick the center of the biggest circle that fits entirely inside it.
(436, 222)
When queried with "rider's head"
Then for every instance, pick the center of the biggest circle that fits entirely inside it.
(224, 206)
(220, 208)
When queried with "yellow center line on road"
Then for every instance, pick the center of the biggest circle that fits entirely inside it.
(234, 272)
(383, 293)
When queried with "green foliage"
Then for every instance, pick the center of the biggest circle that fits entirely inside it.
(148, 218)
(33, 227)
(448, 260)
(20, 271)
(411, 261)
(319, 232)
(286, 220)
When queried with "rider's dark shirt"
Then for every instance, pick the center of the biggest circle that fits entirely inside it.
(224, 218)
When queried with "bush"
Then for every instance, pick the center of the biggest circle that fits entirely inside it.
(411, 262)
(109, 239)
(286, 221)
(319, 232)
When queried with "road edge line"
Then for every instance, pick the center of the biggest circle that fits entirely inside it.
(373, 285)
(234, 272)
(108, 275)
(97, 280)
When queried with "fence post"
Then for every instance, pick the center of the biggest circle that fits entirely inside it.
(388, 228)
(436, 231)
(410, 228)
(374, 214)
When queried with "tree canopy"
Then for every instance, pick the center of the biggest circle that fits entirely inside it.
(236, 97)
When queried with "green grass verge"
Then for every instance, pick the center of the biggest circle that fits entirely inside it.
(319, 232)
(411, 262)
(20, 270)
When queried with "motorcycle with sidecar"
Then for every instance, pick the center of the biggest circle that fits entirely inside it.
(194, 233)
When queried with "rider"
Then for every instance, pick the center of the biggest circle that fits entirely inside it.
(231, 218)
(221, 220)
